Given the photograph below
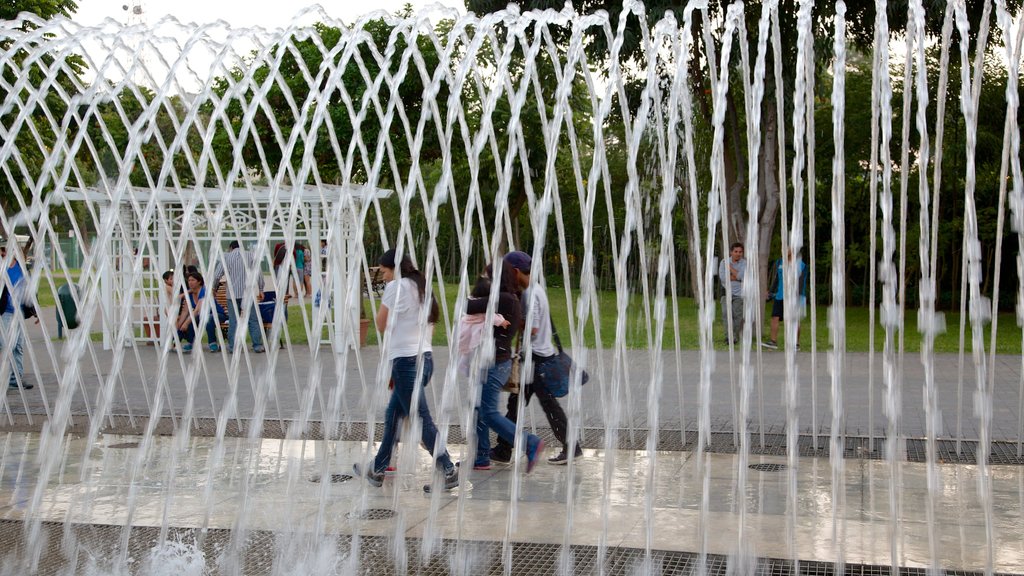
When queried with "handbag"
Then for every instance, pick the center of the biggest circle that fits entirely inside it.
(556, 372)
(512, 384)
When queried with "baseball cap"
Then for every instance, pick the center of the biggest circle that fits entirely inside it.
(519, 260)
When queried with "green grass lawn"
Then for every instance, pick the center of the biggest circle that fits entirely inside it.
(637, 335)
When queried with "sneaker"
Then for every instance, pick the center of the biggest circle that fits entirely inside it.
(451, 481)
(797, 347)
(214, 348)
(25, 386)
(258, 349)
(186, 348)
(375, 479)
(390, 471)
(770, 344)
(501, 455)
(562, 459)
(481, 467)
(533, 453)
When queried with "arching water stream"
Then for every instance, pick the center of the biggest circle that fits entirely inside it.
(609, 149)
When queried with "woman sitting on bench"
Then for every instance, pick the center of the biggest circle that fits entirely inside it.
(188, 319)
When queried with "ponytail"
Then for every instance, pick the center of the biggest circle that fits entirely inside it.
(409, 271)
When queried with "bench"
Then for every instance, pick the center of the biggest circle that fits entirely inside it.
(266, 307)
(376, 282)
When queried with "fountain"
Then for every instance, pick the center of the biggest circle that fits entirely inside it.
(609, 149)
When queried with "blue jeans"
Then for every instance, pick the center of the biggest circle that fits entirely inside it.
(403, 374)
(489, 418)
(17, 362)
(234, 305)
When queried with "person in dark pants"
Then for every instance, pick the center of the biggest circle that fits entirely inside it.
(408, 344)
(776, 293)
(543, 351)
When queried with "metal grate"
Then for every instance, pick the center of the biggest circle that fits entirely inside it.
(85, 547)
(768, 467)
(372, 514)
(333, 478)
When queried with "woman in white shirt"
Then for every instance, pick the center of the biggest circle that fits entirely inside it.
(408, 344)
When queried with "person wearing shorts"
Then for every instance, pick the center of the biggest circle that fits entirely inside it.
(777, 294)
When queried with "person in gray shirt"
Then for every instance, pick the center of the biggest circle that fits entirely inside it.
(730, 272)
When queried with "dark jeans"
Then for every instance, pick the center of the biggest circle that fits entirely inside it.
(189, 334)
(403, 373)
(552, 408)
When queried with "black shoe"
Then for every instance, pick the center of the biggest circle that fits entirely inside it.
(451, 481)
(375, 479)
(24, 386)
(501, 455)
(562, 459)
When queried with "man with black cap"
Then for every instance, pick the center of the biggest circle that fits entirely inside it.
(542, 350)
(236, 266)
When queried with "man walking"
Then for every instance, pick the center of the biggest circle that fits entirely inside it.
(540, 330)
(10, 299)
(730, 273)
(777, 294)
(236, 266)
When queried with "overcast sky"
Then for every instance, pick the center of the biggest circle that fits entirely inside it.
(240, 13)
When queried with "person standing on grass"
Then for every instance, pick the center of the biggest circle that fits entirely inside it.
(236, 266)
(730, 273)
(300, 270)
(543, 351)
(494, 378)
(408, 350)
(776, 293)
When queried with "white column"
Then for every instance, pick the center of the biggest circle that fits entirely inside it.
(340, 269)
(163, 259)
(106, 282)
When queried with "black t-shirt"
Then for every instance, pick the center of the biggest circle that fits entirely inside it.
(509, 308)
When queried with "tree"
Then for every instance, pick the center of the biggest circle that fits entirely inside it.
(860, 21)
(22, 176)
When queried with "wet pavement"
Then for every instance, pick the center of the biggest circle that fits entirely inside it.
(623, 498)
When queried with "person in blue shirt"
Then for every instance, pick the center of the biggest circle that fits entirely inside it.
(190, 317)
(16, 276)
(776, 294)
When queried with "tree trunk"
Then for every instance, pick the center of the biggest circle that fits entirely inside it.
(768, 185)
(735, 177)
